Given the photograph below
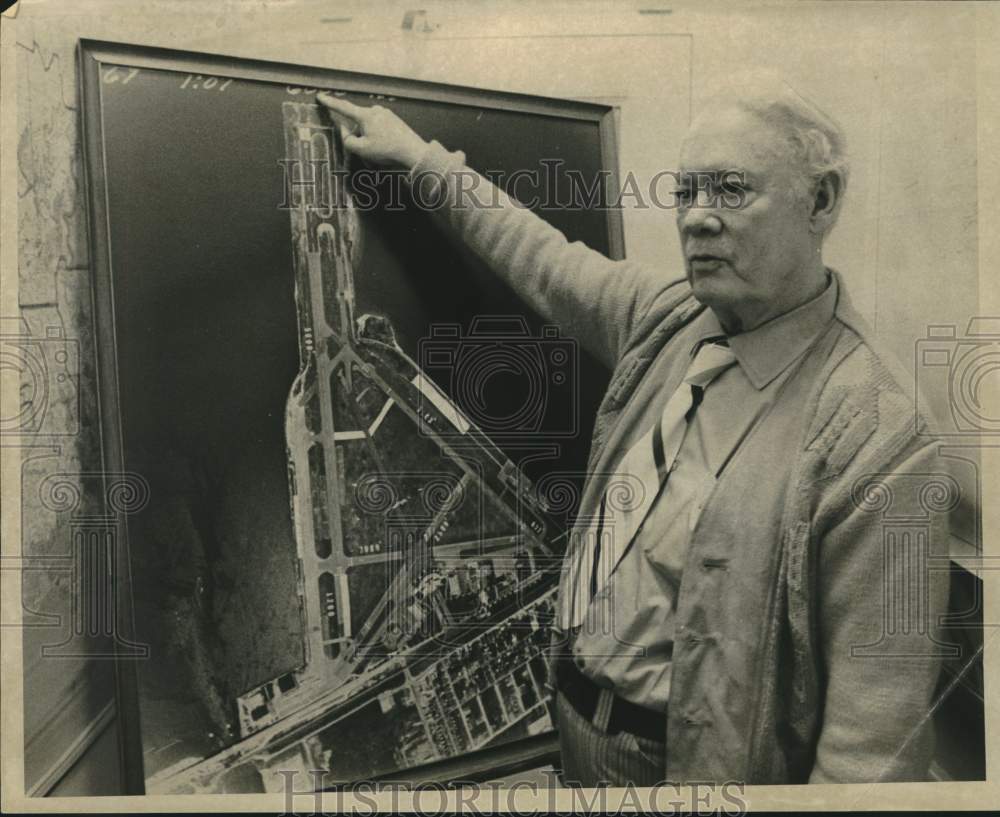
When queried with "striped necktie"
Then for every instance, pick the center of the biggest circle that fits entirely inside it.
(636, 483)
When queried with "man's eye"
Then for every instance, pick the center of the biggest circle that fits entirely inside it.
(683, 194)
(735, 184)
(736, 195)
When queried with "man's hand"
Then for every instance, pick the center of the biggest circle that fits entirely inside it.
(376, 133)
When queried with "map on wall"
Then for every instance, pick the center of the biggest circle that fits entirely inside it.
(362, 448)
(426, 560)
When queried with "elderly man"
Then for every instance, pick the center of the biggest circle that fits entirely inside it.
(725, 620)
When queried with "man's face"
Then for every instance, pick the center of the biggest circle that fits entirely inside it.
(743, 260)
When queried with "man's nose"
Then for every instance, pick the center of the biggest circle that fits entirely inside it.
(699, 220)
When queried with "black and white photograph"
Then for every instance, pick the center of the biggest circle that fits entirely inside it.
(499, 405)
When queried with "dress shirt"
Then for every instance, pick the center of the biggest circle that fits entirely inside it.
(626, 639)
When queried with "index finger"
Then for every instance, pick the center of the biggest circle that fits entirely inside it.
(343, 107)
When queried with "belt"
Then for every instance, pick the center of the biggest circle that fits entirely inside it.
(625, 716)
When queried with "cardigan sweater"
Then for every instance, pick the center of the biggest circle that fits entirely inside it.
(626, 640)
(807, 647)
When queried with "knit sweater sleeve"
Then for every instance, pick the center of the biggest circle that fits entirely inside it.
(880, 606)
(592, 299)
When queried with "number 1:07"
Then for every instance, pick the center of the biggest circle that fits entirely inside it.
(198, 81)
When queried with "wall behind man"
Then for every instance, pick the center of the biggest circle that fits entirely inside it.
(897, 76)
(900, 78)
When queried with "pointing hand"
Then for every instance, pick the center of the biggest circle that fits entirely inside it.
(375, 133)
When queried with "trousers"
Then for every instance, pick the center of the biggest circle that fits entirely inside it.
(593, 758)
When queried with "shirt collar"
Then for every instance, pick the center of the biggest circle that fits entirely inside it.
(766, 351)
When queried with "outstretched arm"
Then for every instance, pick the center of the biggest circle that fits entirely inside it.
(594, 299)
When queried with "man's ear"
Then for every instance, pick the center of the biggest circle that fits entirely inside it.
(826, 201)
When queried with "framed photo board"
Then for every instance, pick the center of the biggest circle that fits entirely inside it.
(360, 448)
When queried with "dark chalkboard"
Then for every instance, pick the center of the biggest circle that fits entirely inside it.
(198, 347)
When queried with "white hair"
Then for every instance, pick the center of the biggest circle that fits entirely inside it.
(816, 139)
